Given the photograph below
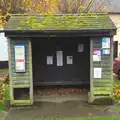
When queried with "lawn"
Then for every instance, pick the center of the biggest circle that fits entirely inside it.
(97, 118)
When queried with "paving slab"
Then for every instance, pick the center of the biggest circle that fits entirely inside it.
(60, 106)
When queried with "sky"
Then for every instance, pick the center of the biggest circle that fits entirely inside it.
(3, 48)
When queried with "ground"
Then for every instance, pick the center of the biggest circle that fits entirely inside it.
(57, 106)
(68, 106)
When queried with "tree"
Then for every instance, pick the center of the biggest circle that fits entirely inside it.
(65, 6)
(48, 6)
(10, 6)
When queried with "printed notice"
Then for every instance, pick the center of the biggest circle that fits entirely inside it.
(97, 72)
(106, 52)
(80, 47)
(59, 58)
(96, 57)
(49, 60)
(105, 42)
(19, 58)
(69, 59)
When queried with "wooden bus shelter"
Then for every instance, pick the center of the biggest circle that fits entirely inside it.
(55, 50)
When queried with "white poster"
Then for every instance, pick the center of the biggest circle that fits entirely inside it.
(96, 57)
(97, 72)
(59, 55)
(69, 59)
(80, 47)
(49, 60)
(20, 58)
(105, 42)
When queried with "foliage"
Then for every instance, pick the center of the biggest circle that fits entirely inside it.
(92, 118)
(48, 6)
(4, 93)
(64, 6)
(116, 94)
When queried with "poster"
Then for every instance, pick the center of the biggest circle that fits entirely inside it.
(59, 58)
(80, 47)
(106, 52)
(49, 60)
(97, 52)
(97, 72)
(105, 42)
(96, 57)
(19, 58)
(69, 59)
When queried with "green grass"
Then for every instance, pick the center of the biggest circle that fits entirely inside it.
(116, 82)
(3, 70)
(96, 118)
(1, 106)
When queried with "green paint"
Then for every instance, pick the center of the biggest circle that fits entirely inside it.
(19, 80)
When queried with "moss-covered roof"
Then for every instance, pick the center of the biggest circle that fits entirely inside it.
(83, 21)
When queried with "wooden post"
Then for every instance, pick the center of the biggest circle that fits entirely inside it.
(31, 74)
(10, 72)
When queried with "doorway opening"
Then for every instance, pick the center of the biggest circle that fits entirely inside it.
(61, 65)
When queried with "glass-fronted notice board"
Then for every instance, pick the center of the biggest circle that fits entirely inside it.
(19, 58)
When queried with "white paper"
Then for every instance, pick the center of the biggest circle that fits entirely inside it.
(20, 58)
(59, 58)
(105, 42)
(49, 60)
(80, 47)
(96, 57)
(97, 72)
(69, 59)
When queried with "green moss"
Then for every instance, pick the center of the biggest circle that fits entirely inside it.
(66, 22)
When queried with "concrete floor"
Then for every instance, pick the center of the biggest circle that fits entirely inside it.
(60, 106)
(61, 98)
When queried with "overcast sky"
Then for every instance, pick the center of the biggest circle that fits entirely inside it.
(3, 48)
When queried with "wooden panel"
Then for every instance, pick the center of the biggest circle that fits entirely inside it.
(20, 80)
(103, 84)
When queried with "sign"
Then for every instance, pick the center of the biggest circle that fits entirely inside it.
(96, 57)
(105, 42)
(97, 72)
(69, 59)
(106, 52)
(49, 60)
(97, 52)
(19, 58)
(80, 47)
(59, 58)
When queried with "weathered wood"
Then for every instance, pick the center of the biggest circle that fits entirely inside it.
(101, 86)
(21, 86)
(31, 74)
(20, 80)
(21, 102)
(10, 72)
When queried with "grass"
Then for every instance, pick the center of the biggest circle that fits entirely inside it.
(117, 82)
(1, 106)
(94, 118)
(3, 70)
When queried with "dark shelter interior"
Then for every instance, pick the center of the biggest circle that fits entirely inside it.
(61, 61)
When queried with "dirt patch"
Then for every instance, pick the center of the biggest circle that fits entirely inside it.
(59, 91)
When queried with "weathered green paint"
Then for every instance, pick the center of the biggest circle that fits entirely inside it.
(21, 86)
(82, 21)
(20, 80)
(101, 87)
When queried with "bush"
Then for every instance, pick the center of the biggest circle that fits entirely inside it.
(116, 94)
(4, 93)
